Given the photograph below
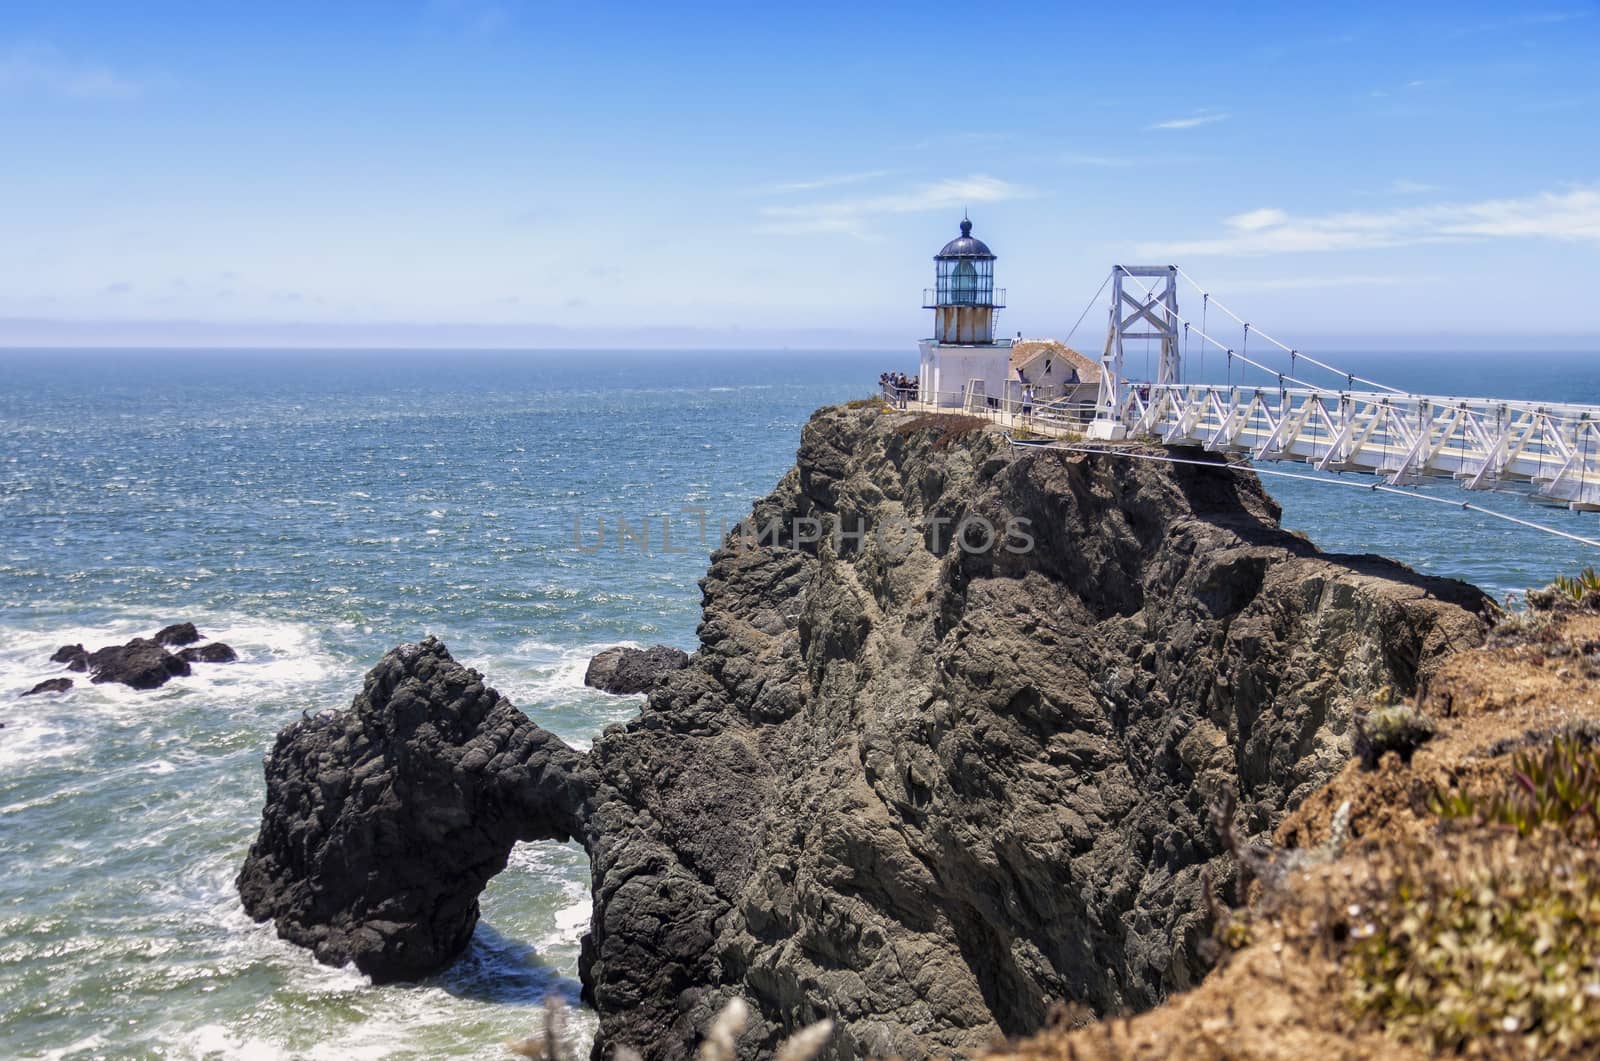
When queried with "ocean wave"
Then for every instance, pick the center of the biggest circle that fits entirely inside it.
(545, 680)
(278, 660)
(132, 810)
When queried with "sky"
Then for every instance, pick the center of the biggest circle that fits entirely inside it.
(498, 172)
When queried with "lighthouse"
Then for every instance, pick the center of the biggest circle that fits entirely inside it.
(962, 364)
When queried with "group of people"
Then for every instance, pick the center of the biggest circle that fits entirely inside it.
(898, 387)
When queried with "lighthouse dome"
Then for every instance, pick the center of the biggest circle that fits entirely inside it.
(966, 245)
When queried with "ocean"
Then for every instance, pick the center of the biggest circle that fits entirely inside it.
(313, 509)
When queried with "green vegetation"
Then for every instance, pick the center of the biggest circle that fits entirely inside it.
(1489, 945)
(1534, 624)
(1580, 589)
(1559, 787)
(1487, 950)
(874, 402)
(1401, 730)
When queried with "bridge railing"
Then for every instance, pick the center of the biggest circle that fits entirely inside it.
(1551, 450)
(1014, 408)
(1486, 443)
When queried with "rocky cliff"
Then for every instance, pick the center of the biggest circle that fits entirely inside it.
(944, 756)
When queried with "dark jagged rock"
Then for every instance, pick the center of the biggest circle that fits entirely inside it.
(177, 635)
(927, 791)
(141, 664)
(51, 685)
(922, 789)
(74, 656)
(624, 670)
(216, 652)
(384, 822)
(145, 663)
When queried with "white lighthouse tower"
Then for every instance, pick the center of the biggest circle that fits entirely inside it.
(962, 362)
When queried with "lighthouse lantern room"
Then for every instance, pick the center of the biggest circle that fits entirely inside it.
(962, 363)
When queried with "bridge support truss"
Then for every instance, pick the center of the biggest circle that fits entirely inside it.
(1150, 315)
(1552, 451)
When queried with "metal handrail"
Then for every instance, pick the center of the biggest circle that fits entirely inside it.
(898, 396)
(1058, 413)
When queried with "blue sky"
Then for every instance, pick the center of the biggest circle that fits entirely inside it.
(593, 174)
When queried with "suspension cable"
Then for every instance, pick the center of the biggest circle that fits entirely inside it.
(1068, 341)
(1293, 353)
(1243, 466)
(1220, 346)
(1186, 347)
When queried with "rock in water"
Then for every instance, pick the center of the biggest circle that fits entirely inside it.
(921, 787)
(384, 822)
(624, 670)
(52, 685)
(216, 652)
(177, 634)
(141, 663)
(144, 663)
(74, 656)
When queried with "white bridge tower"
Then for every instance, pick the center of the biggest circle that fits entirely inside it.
(1152, 314)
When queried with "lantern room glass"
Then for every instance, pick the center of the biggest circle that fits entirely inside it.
(966, 281)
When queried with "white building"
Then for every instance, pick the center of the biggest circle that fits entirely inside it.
(1055, 371)
(963, 360)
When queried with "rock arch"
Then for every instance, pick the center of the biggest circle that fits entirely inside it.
(383, 823)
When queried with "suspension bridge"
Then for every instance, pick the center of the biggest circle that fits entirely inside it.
(1548, 451)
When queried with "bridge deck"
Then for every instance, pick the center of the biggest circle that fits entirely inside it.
(1551, 451)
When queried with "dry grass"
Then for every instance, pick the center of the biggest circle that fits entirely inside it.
(946, 428)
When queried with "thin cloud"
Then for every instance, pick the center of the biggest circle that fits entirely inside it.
(850, 216)
(42, 69)
(479, 18)
(1090, 161)
(1256, 220)
(1524, 21)
(820, 183)
(1414, 85)
(1192, 121)
(1401, 186)
(1569, 216)
(1320, 283)
(969, 138)
(1097, 161)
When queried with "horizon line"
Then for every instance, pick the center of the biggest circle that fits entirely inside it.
(1437, 342)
